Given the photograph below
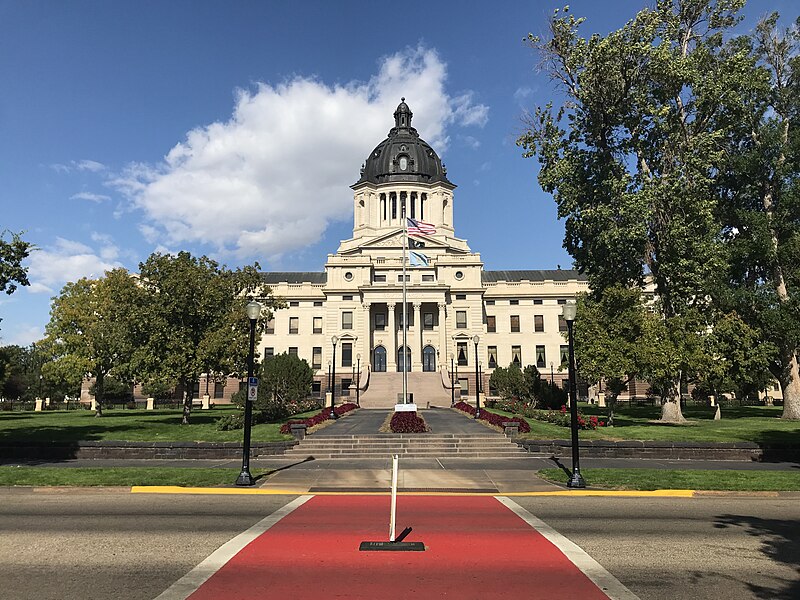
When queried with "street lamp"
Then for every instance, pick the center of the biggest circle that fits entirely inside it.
(334, 341)
(452, 383)
(245, 478)
(476, 338)
(41, 377)
(551, 374)
(568, 311)
(358, 380)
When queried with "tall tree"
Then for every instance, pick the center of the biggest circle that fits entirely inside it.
(759, 188)
(92, 329)
(196, 321)
(12, 253)
(631, 155)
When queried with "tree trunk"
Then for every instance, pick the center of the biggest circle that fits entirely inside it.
(671, 409)
(188, 389)
(98, 394)
(612, 403)
(791, 391)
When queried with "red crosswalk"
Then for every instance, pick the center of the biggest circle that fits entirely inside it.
(475, 548)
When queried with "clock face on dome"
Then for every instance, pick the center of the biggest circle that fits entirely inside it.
(403, 163)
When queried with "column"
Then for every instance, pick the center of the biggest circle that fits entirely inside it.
(391, 342)
(445, 348)
(416, 354)
(366, 338)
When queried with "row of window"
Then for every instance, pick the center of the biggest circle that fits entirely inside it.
(515, 302)
(316, 355)
(516, 356)
(381, 277)
(514, 322)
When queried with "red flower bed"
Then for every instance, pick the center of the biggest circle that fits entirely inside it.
(407, 422)
(318, 418)
(493, 418)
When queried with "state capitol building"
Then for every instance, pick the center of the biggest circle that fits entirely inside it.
(353, 310)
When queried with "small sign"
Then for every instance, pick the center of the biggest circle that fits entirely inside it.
(252, 389)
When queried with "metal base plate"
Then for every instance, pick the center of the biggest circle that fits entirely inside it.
(392, 547)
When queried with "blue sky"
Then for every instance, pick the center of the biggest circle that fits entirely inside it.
(234, 129)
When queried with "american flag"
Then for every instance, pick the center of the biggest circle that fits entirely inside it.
(416, 227)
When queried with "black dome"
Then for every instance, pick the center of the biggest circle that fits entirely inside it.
(403, 156)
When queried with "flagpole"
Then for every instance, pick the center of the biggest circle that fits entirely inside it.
(405, 308)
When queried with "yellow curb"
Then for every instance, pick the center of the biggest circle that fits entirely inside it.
(173, 489)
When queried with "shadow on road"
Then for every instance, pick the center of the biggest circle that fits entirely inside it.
(780, 542)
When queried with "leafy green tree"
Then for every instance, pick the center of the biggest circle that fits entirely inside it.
(12, 253)
(510, 383)
(760, 207)
(196, 320)
(286, 378)
(631, 155)
(20, 379)
(92, 329)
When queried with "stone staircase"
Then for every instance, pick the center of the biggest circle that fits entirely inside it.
(407, 445)
(383, 388)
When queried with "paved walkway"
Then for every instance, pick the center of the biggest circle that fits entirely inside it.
(440, 420)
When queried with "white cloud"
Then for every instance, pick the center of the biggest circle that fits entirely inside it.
(68, 260)
(471, 141)
(23, 335)
(272, 178)
(79, 165)
(92, 197)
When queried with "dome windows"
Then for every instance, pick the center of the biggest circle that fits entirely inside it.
(403, 163)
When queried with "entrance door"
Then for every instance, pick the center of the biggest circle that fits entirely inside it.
(379, 360)
(428, 359)
(404, 359)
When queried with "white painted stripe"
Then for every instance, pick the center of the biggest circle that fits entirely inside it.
(610, 585)
(188, 584)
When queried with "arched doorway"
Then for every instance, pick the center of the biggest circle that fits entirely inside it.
(379, 359)
(429, 359)
(407, 362)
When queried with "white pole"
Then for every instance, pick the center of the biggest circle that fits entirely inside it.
(405, 307)
(394, 498)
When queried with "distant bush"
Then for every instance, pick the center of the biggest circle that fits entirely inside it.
(493, 418)
(320, 417)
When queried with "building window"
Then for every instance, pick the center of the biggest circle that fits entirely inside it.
(400, 278)
(347, 355)
(491, 324)
(514, 323)
(347, 320)
(316, 357)
(316, 388)
(294, 304)
(317, 324)
(461, 319)
(268, 353)
(427, 278)
(538, 323)
(219, 389)
(461, 296)
(393, 199)
(516, 355)
(490, 303)
(427, 321)
(492, 356)
(541, 360)
(513, 302)
(346, 383)
(537, 300)
(347, 297)
(293, 350)
(348, 276)
(463, 387)
(562, 301)
(400, 320)
(380, 321)
(562, 323)
(317, 302)
(564, 356)
(270, 326)
(459, 275)
(461, 353)
(379, 278)
(294, 324)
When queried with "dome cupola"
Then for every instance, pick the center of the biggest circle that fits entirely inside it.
(403, 155)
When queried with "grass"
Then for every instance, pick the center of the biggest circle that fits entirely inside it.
(760, 424)
(689, 479)
(128, 425)
(119, 476)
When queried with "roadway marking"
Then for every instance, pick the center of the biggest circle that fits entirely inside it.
(189, 583)
(612, 587)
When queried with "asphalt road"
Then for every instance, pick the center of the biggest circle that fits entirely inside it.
(112, 544)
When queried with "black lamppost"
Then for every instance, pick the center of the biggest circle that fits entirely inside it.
(452, 383)
(551, 374)
(328, 389)
(334, 341)
(458, 381)
(358, 380)
(245, 478)
(476, 338)
(568, 311)
(41, 377)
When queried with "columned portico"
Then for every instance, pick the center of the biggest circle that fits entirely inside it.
(391, 340)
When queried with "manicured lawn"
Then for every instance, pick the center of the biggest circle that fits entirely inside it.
(127, 425)
(689, 479)
(760, 424)
(119, 476)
